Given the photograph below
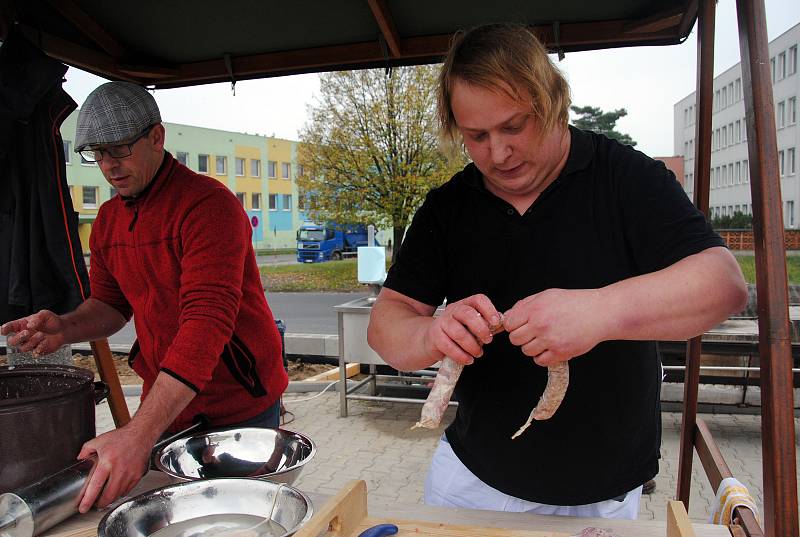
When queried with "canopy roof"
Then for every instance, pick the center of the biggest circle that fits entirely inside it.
(179, 43)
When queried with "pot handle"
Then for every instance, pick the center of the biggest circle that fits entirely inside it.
(101, 392)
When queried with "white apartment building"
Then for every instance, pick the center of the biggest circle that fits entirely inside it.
(730, 170)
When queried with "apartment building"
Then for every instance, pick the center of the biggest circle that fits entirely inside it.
(261, 171)
(730, 165)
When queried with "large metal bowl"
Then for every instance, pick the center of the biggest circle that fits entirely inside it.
(213, 506)
(272, 454)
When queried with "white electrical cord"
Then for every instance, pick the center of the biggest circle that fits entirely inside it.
(309, 398)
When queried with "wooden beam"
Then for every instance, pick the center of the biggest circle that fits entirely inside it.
(716, 470)
(386, 23)
(108, 374)
(678, 522)
(656, 22)
(85, 24)
(351, 370)
(774, 337)
(703, 104)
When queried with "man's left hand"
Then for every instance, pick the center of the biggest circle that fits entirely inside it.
(123, 457)
(556, 324)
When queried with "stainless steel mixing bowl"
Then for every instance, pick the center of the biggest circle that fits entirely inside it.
(273, 454)
(209, 507)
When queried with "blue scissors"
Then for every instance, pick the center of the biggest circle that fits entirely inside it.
(380, 530)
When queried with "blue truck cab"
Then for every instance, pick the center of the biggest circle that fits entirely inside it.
(325, 242)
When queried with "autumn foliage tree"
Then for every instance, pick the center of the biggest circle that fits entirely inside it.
(370, 148)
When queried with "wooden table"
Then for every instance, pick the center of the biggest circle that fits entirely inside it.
(86, 525)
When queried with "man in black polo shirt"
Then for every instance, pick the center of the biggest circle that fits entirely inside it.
(590, 249)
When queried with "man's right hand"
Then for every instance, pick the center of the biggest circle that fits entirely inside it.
(40, 333)
(464, 327)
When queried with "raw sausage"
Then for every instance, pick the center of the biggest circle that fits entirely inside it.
(557, 382)
(443, 386)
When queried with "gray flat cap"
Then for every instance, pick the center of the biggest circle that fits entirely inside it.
(113, 113)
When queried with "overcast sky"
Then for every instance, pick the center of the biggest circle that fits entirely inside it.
(646, 81)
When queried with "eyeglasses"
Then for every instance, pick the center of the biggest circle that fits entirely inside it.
(114, 151)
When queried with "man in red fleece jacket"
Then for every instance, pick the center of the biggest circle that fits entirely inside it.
(174, 251)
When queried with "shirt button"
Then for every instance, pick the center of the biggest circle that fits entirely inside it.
(510, 212)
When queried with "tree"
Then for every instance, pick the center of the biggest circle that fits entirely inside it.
(594, 119)
(370, 149)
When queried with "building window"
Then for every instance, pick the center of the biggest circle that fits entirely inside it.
(240, 196)
(745, 172)
(222, 165)
(202, 163)
(730, 133)
(285, 170)
(790, 166)
(781, 163)
(239, 167)
(301, 170)
(791, 111)
(255, 200)
(724, 101)
(738, 131)
(738, 89)
(90, 197)
(744, 129)
(286, 200)
(255, 168)
(725, 175)
(111, 192)
(272, 169)
(781, 113)
(716, 100)
(792, 63)
(273, 202)
(182, 157)
(67, 152)
(781, 66)
(772, 68)
(790, 213)
(724, 136)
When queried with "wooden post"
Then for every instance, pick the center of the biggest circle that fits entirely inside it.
(702, 171)
(774, 334)
(108, 374)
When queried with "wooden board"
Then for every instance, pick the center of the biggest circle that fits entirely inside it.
(678, 523)
(344, 515)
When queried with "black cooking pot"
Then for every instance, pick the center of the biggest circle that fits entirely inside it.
(46, 414)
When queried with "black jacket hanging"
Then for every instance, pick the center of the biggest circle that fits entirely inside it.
(41, 261)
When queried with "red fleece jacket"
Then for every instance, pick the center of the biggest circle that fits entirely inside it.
(179, 259)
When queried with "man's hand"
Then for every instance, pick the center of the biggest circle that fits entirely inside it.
(556, 325)
(463, 329)
(123, 457)
(40, 333)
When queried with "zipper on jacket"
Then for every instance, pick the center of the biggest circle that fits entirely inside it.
(135, 213)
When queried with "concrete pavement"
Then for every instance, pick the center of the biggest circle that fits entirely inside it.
(375, 443)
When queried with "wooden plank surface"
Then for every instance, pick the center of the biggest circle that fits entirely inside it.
(429, 518)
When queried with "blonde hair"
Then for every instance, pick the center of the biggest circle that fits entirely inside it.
(508, 58)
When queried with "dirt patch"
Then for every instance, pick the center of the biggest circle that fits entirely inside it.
(297, 370)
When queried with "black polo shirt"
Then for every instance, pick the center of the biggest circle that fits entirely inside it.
(613, 213)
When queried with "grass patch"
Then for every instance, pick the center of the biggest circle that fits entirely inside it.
(748, 264)
(339, 276)
(275, 251)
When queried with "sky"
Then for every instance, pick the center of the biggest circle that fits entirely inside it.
(646, 81)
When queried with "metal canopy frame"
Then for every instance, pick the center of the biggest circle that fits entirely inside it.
(156, 44)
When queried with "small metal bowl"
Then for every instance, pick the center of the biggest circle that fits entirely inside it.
(272, 454)
(213, 506)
